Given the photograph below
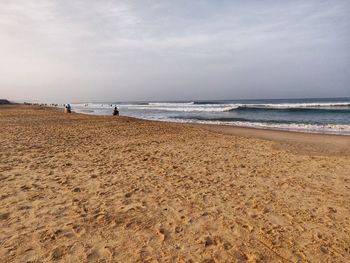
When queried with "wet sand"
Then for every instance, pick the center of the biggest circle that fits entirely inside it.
(79, 188)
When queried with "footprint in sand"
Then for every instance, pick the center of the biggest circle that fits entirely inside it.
(29, 255)
(4, 216)
(162, 234)
(102, 253)
(78, 230)
(58, 253)
(178, 229)
(209, 242)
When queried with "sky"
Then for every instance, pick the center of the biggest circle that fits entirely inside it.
(109, 50)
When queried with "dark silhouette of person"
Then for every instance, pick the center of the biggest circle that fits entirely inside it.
(115, 111)
(68, 108)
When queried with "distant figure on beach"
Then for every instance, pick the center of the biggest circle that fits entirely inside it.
(68, 109)
(115, 111)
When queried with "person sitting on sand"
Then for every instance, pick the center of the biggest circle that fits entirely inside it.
(115, 111)
(68, 109)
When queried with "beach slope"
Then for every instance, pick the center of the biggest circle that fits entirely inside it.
(79, 188)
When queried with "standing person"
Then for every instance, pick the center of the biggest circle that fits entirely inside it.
(115, 111)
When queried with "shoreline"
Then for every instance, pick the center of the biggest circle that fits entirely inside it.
(270, 128)
(301, 115)
(297, 141)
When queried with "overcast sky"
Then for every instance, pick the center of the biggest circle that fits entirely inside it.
(109, 50)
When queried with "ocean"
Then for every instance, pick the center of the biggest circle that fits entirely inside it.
(331, 116)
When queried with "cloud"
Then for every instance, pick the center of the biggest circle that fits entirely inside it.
(136, 49)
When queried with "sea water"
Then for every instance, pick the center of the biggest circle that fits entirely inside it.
(307, 115)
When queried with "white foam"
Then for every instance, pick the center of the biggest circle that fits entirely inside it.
(192, 107)
(300, 105)
(184, 108)
(141, 111)
(170, 103)
(310, 128)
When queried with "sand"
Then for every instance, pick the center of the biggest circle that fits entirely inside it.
(79, 188)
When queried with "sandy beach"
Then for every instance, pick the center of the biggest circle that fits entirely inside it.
(82, 188)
